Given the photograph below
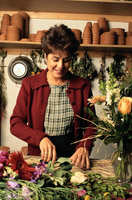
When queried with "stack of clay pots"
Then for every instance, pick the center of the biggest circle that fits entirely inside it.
(128, 38)
(5, 22)
(15, 27)
(87, 33)
(13, 33)
(17, 21)
(25, 17)
(103, 25)
(39, 35)
(96, 33)
(78, 34)
(120, 35)
(108, 38)
(32, 37)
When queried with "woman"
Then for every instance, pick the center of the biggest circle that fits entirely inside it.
(47, 104)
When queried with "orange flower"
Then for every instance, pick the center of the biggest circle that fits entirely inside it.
(125, 105)
(97, 99)
(20, 166)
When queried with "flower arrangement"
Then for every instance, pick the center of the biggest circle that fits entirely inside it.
(23, 181)
(114, 125)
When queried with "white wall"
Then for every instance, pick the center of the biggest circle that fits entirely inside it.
(12, 88)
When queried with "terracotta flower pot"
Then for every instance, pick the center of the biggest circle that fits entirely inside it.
(25, 24)
(5, 148)
(17, 20)
(78, 34)
(13, 33)
(32, 37)
(39, 35)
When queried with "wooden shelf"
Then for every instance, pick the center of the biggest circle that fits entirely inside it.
(108, 7)
(97, 48)
(19, 45)
(106, 48)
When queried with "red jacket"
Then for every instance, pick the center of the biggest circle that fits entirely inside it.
(27, 120)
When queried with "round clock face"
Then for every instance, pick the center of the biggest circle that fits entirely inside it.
(19, 68)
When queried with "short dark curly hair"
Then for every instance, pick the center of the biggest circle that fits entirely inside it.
(59, 37)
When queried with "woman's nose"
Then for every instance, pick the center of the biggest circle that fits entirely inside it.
(60, 64)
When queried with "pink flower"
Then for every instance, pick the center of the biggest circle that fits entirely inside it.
(1, 170)
(81, 193)
(4, 158)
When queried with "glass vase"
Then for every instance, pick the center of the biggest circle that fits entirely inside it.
(122, 165)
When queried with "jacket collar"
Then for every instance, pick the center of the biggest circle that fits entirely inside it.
(41, 80)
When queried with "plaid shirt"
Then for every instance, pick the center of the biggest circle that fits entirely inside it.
(59, 115)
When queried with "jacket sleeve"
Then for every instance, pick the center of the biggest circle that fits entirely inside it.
(20, 119)
(88, 127)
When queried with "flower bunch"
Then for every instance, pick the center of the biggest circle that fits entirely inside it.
(114, 125)
(20, 180)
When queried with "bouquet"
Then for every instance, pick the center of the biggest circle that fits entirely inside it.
(114, 125)
(53, 181)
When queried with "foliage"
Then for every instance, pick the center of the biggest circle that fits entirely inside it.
(53, 181)
(83, 67)
(37, 56)
(114, 125)
(3, 102)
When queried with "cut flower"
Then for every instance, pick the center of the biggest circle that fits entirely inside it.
(125, 105)
(18, 165)
(78, 177)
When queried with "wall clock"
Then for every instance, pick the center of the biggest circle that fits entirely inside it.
(19, 68)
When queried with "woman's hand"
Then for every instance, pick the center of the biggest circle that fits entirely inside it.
(80, 158)
(48, 150)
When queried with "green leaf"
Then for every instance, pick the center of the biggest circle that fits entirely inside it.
(63, 159)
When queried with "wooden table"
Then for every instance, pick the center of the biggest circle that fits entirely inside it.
(103, 167)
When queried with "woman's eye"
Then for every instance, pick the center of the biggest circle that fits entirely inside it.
(66, 60)
(55, 60)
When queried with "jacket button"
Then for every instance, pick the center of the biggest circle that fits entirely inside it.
(69, 91)
(73, 103)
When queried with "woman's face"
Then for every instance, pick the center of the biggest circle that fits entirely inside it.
(58, 64)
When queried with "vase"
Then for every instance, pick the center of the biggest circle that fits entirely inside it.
(122, 165)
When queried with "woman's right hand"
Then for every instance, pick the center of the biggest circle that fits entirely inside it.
(48, 150)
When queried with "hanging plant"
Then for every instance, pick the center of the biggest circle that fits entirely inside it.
(37, 56)
(83, 67)
(3, 101)
(101, 76)
(117, 66)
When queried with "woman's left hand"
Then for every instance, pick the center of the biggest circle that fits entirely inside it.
(80, 158)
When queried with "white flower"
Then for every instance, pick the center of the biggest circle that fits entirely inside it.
(78, 177)
(110, 93)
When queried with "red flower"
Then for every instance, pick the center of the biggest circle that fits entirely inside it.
(20, 166)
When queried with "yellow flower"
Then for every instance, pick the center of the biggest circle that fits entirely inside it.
(32, 73)
(125, 105)
(106, 193)
(97, 99)
(87, 197)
